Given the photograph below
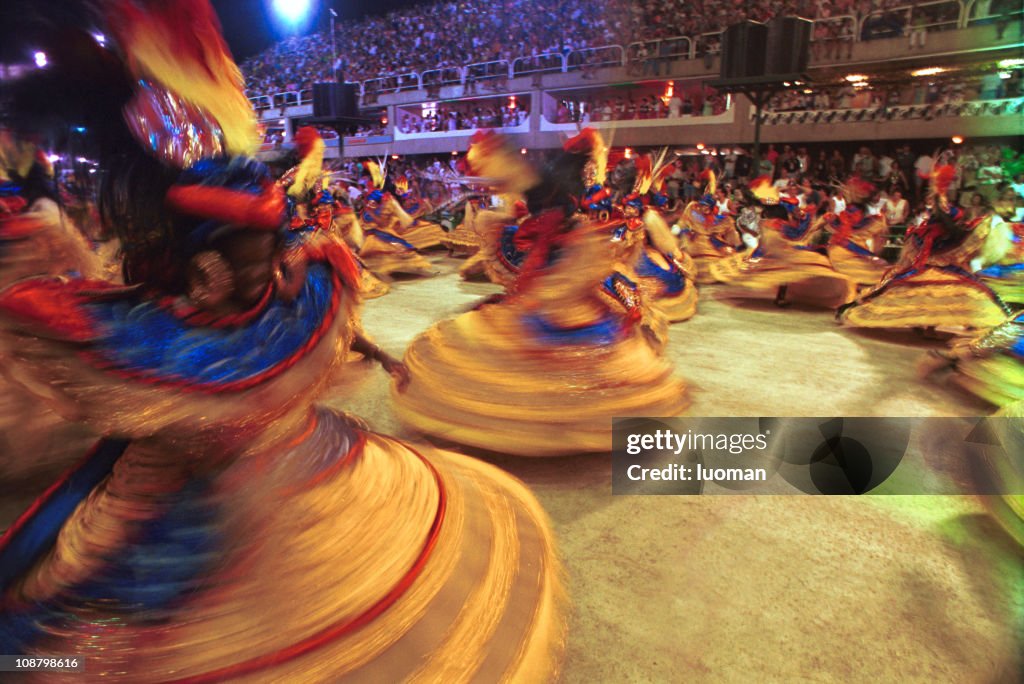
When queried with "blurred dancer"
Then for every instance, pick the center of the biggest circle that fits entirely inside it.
(933, 283)
(227, 528)
(544, 370)
(857, 236)
(383, 251)
(707, 235)
(785, 263)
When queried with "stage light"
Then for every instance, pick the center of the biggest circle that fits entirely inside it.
(394, 156)
(40, 58)
(522, 150)
(1011, 63)
(700, 146)
(856, 78)
(100, 38)
(807, 91)
(786, 83)
(957, 140)
(628, 154)
(454, 153)
(930, 71)
(1005, 75)
(53, 158)
(292, 12)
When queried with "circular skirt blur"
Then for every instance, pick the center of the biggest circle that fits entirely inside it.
(1006, 280)
(667, 288)
(862, 269)
(807, 274)
(386, 254)
(931, 297)
(348, 556)
(997, 373)
(423, 234)
(370, 286)
(488, 380)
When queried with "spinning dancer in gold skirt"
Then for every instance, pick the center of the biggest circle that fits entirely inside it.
(933, 283)
(316, 212)
(226, 528)
(543, 371)
(651, 257)
(407, 213)
(383, 251)
(857, 237)
(707, 236)
(785, 263)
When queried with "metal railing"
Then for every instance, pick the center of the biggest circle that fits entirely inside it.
(480, 71)
(897, 21)
(544, 63)
(969, 17)
(680, 47)
(601, 56)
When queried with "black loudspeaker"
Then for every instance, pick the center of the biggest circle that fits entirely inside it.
(789, 42)
(335, 100)
(743, 48)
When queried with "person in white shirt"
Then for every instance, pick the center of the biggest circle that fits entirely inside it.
(896, 208)
(675, 107)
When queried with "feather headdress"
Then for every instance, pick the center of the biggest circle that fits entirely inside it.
(590, 143)
(178, 45)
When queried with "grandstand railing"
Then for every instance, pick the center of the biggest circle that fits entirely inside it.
(446, 76)
(484, 70)
(710, 42)
(547, 62)
(843, 20)
(660, 48)
(897, 21)
(969, 17)
(396, 83)
(601, 56)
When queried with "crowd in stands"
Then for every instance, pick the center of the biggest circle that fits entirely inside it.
(603, 107)
(454, 34)
(461, 116)
(921, 92)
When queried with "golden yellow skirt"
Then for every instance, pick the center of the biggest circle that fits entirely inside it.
(862, 270)
(483, 380)
(930, 298)
(384, 258)
(808, 275)
(387, 565)
(423, 234)
(675, 307)
(461, 241)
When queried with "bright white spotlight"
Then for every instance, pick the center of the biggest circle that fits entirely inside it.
(40, 58)
(292, 12)
(100, 38)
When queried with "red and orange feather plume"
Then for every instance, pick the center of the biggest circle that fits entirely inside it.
(178, 44)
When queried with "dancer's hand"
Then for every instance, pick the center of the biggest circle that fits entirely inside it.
(398, 371)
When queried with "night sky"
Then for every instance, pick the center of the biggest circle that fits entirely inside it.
(246, 23)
